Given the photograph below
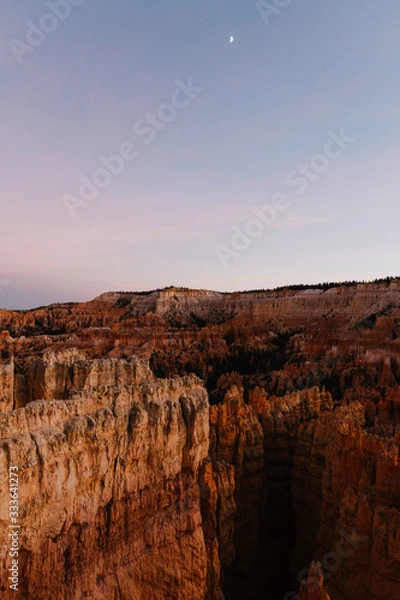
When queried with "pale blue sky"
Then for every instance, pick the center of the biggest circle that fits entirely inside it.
(269, 100)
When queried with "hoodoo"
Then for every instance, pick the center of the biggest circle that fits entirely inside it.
(196, 445)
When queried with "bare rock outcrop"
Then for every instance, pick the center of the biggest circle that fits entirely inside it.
(109, 495)
(360, 510)
(312, 588)
(6, 387)
(133, 486)
(236, 439)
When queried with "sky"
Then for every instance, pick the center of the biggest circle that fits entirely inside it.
(142, 147)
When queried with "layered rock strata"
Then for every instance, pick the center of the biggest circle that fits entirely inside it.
(346, 338)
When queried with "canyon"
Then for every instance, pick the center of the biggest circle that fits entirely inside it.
(190, 444)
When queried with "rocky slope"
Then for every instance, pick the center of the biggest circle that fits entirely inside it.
(140, 482)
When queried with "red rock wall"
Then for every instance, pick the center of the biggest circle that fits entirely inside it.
(360, 511)
(312, 588)
(6, 387)
(109, 492)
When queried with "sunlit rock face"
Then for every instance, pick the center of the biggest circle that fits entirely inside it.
(6, 387)
(109, 492)
(138, 480)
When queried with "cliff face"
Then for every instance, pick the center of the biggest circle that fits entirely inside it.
(109, 491)
(6, 387)
(57, 375)
(305, 473)
(144, 472)
(142, 482)
(236, 439)
(360, 511)
(260, 440)
(124, 470)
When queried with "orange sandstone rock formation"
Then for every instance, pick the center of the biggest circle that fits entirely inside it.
(313, 587)
(109, 495)
(141, 483)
